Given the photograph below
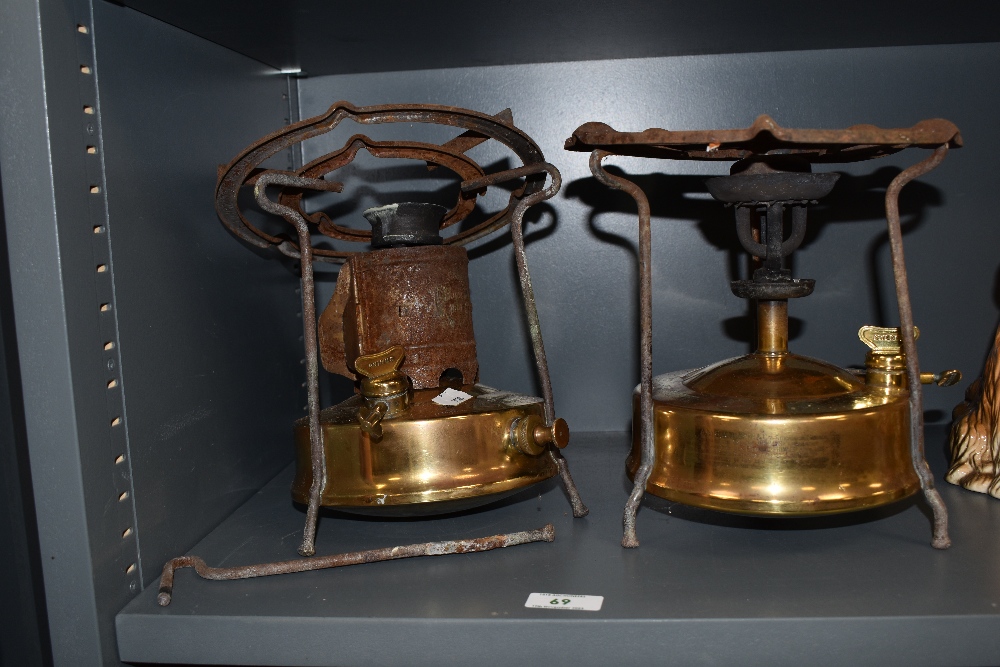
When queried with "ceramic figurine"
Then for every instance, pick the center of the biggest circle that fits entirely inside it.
(975, 432)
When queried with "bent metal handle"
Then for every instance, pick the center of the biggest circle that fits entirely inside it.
(546, 533)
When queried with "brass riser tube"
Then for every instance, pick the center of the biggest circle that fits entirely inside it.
(772, 327)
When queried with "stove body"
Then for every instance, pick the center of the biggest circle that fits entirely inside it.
(773, 433)
(421, 436)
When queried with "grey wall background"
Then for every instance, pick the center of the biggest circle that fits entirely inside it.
(582, 244)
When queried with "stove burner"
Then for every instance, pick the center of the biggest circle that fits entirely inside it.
(405, 224)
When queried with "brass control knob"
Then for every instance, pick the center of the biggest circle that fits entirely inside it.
(531, 436)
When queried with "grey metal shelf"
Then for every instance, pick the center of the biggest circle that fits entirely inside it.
(703, 588)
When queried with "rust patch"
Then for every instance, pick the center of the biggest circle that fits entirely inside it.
(417, 298)
(765, 136)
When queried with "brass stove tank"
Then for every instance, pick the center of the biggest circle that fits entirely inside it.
(400, 320)
(776, 433)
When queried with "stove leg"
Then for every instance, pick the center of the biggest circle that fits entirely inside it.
(535, 329)
(940, 539)
(629, 538)
(309, 337)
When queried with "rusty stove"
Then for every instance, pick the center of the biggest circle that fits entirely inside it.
(421, 435)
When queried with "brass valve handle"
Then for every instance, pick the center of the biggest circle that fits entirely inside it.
(887, 352)
(531, 436)
(380, 363)
(381, 373)
(387, 390)
(942, 379)
(370, 420)
(884, 340)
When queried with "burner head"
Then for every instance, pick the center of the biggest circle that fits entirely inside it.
(405, 224)
(769, 187)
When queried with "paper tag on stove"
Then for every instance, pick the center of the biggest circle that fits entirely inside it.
(451, 397)
(562, 601)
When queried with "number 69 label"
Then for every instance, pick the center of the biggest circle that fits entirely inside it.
(564, 601)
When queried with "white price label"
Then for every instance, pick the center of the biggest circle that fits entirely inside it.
(562, 601)
(451, 397)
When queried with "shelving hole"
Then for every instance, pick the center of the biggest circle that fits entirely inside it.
(95, 189)
(101, 268)
(130, 569)
(116, 421)
(105, 307)
(126, 532)
(98, 229)
(110, 345)
(92, 150)
(84, 69)
(112, 384)
(119, 459)
(123, 497)
(82, 28)
(89, 110)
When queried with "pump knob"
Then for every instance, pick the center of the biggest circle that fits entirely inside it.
(531, 435)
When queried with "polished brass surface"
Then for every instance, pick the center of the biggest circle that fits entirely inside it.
(777, 436)
(772, 327)
(775, 433)
(429, 456)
